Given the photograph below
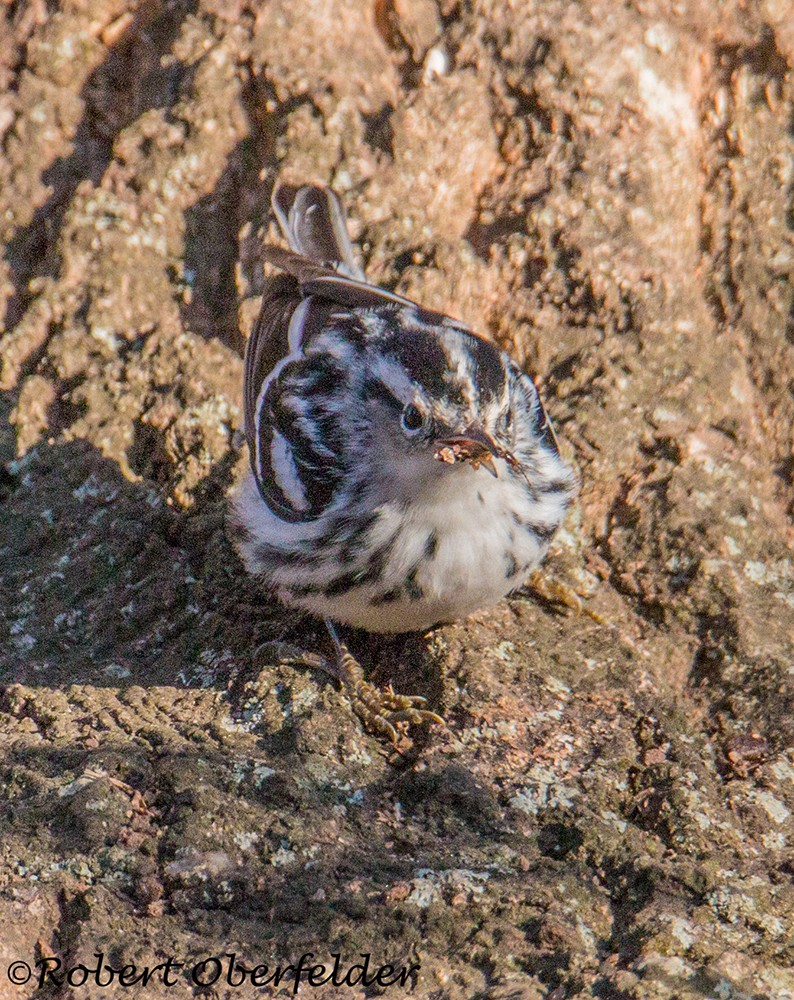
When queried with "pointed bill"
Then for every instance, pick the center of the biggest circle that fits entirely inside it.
(476, 447)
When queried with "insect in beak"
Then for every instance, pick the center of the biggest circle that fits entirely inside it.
(476, 447)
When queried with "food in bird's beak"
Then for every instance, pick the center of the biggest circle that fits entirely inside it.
(476, 447)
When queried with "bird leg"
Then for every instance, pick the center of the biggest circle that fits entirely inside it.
(554, 591)
(380, 710)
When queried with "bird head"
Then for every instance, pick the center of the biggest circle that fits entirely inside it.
(442, 400)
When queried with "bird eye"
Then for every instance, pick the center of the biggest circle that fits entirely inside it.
(412, 419)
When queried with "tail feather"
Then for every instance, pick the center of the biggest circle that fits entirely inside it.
(313, 224)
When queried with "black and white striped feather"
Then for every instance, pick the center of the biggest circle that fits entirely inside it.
(347, 513)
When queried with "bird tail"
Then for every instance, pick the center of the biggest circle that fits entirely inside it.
(313, 223)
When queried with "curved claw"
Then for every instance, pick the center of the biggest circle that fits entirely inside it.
(415, 718)
(381, 710)
(557, 592)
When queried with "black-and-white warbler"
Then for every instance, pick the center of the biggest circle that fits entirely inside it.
(404, 471)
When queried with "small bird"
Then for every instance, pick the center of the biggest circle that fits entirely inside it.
(403, 470)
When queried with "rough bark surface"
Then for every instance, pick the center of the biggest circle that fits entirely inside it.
(605, 189)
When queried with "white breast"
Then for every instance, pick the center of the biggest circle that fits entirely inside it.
(459, 550)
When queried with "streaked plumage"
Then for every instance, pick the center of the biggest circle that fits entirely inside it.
(350, 392)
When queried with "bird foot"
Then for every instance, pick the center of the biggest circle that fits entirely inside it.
(381, 710)
(556, 592)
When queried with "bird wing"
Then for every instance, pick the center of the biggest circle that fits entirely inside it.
(268, 342)
(320, 254)
(316, 278)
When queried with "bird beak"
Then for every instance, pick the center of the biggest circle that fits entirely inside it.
(475, 446)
